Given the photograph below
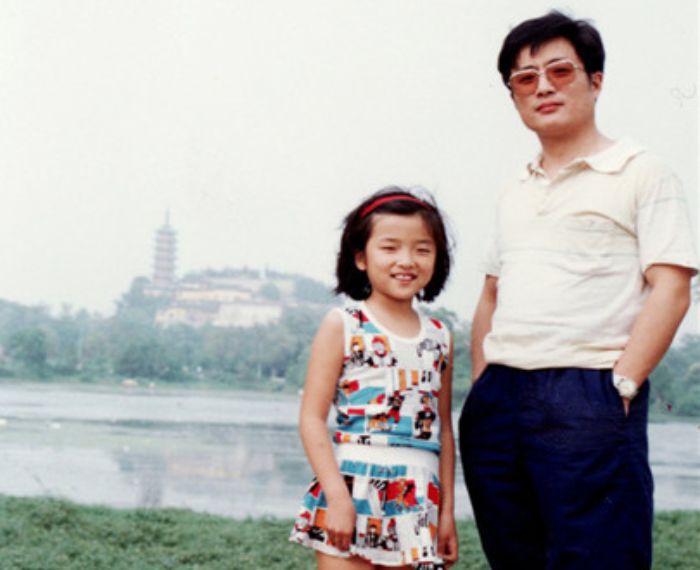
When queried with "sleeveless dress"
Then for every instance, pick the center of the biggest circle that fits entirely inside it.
(387, 437)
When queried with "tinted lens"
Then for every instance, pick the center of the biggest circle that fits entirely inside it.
(560, 73)
(524, 82)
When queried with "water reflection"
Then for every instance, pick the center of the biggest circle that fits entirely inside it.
(145, 471)
(191, 450)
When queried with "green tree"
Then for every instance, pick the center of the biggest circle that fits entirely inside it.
(296, 372)
(15, 317)
(662, 386)
(312, 291)
(689, 399)
(270, 292)
(692, 377)
(136, 302)
(674, 383)
(29, 347)
(64, 342)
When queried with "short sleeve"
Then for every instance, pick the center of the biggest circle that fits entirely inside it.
(491, 260)
(663, 225)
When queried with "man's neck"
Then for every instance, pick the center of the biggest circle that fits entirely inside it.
(557, 152)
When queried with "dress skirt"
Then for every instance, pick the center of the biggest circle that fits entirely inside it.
(396, 492)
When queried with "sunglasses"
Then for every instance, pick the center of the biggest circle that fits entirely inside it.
(559, 73)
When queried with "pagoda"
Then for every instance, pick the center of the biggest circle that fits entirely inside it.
(165, 251)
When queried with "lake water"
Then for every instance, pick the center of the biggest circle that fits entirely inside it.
(228, 453)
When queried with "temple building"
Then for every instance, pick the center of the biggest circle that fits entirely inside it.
(222, 298)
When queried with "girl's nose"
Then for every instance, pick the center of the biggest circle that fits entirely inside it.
(406, 259)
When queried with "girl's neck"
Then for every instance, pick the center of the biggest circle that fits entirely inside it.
(396, 315)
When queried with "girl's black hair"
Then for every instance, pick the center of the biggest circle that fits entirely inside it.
(357, 229)
(584, 38)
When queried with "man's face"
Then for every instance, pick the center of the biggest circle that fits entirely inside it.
(555, 111)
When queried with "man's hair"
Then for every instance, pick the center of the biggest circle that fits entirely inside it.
(358, 227)
(535, 32)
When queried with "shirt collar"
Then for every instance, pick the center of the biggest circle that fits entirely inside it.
(609, 161)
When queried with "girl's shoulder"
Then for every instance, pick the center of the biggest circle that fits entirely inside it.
(354, 316)
(331, 323)
(347, 318)
(435, 327)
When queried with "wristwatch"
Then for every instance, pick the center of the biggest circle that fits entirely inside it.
(626, 387)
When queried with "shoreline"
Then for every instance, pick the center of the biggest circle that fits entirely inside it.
(161, 389)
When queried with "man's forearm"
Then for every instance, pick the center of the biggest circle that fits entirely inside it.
(481, 324)
(656, 323)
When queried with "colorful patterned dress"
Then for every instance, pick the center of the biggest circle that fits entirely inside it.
(388, 444)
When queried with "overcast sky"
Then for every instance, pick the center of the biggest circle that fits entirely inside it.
(260, 123)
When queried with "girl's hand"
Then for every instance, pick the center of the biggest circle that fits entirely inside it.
(340, 523)
(448, 548)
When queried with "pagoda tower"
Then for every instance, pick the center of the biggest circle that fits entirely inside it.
(164, 255)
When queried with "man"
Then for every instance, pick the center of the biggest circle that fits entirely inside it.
(586, 283)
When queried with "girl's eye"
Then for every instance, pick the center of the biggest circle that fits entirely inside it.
(424, 251)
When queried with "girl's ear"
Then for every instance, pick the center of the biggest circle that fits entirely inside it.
(360, 261)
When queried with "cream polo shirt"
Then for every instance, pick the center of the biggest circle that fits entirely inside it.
(570, 254)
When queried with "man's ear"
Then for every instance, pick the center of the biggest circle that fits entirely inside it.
(360, 261)
(596, 82)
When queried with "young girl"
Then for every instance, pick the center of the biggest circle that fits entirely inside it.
(384, 496)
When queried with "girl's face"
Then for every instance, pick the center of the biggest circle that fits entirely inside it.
(399, 256)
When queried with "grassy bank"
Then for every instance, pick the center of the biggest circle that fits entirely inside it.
(43, 534)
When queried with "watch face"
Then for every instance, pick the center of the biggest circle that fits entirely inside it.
(627, 388)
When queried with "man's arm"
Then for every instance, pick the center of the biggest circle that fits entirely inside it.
(481, 324)
(657, 322)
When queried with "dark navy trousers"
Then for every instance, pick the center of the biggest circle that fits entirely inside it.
(557, 475)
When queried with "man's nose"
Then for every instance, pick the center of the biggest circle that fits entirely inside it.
(543, 84)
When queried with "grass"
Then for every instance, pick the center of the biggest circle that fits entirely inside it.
(48, 534)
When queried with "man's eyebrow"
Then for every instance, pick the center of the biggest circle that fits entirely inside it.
(532, 66)
(555, 59)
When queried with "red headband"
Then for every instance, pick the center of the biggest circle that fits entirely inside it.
(369, 208)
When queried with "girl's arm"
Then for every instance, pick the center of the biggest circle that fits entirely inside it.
(447, 531)
(324, 369)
